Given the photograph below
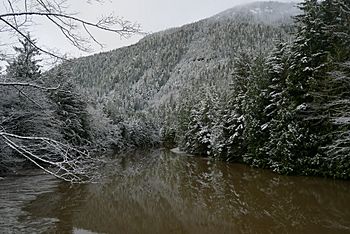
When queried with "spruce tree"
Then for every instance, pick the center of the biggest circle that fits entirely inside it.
(286, 134)
(25, 66)
(252, 100)
(320, 47)
(333, 89)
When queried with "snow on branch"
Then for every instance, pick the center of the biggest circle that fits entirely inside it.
(32, 85)
(55, 158)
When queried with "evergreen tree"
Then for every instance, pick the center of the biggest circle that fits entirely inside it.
(284, 146)
(25, 111)
(336, 162)
(333, 90)
(199, 130)
(25, 66)
(30, 109)
(307, 97)
(230, 144)
(250, 85)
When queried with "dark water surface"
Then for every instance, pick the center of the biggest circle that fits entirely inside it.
(161, 192)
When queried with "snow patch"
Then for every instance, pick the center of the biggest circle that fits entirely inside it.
(180, 152)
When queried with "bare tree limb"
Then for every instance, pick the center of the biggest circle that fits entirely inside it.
(17, 18)
(66, 163)
(28, 85)
(24, 36)
(104, 24)
(29, 98)
(65, 23)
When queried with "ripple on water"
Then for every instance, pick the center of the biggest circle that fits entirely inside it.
(162, 192)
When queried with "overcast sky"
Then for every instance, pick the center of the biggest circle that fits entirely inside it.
(152, 15)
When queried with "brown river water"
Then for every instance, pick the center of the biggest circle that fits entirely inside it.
(162, 192)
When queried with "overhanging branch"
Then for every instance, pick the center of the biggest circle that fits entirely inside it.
(16, 84)
(126, 27)
(58, 159)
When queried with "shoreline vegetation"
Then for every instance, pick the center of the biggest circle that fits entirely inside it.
(273, 95)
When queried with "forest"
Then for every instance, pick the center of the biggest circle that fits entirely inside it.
(270, 92)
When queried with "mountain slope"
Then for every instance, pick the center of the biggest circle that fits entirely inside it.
(153, 72)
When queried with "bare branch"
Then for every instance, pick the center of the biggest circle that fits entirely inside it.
(12, 10)
(29, 98)
(60, 160)
(92, 37)
(17, 18)
(67, 24)
(105, 23)
(29, 85)
(31, 42)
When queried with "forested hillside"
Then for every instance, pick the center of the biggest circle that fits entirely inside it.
(248, 85)
(141, 83)
(191, 130)
(155, 69)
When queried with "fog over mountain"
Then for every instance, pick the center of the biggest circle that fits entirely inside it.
(267, 12)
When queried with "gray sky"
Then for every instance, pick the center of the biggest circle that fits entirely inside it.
(153, 15)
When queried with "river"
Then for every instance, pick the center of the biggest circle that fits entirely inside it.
(163, 192)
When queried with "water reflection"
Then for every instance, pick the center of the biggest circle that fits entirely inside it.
(61, 205)
(15, 193)
(160, 192)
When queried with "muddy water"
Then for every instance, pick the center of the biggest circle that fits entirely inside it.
(160, 192)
